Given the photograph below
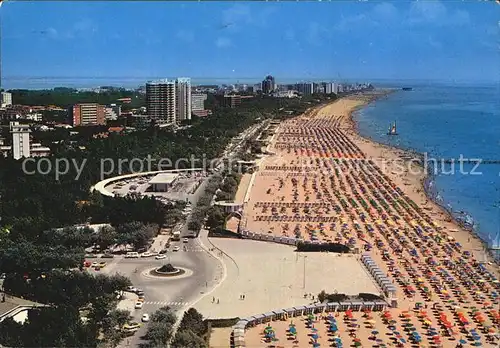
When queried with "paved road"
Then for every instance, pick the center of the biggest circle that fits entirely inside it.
(177, 293)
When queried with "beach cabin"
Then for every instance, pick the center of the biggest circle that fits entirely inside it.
(320, 308)
(269, 316)
(259, 319)
(368, 306)
(249, 322)
(332, 306)
(344, 306)
(299, 311)
(379, 306)
(279, 314)
(309, 309)
(239, 341)
(241, 325)
(290, 312)
(238, 333)
(356, 306)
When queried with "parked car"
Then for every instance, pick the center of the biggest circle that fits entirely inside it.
(131, 288)
(146, 254)
(160, 257)
(94, 264)
(138, 305)
(185, 240)
(87, 264)
(130, 328)
(145, 317)
(102, 264)
(107, 256)
(176, 248)
(164, 251)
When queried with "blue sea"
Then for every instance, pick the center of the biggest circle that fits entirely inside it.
(446, 122)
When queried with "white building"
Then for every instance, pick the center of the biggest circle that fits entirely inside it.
(163, 182)
(113, 112)
(286, 94)
(20, 140)
(6, 99)
(183, 105)
(198, 101)
(335, 87)
(34, 116)
(37, 150)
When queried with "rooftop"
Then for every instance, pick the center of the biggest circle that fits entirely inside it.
(165, 178)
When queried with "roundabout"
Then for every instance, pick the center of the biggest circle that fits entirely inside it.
(167, 272)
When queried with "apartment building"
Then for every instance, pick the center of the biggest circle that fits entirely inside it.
(183, 96)
(161, 101)
(88, 114)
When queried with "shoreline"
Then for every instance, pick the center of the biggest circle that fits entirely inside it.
(423, 182)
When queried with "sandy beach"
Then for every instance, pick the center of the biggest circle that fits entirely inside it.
(327, 183)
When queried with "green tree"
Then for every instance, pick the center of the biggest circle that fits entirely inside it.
(193, 320)
(187, 338)
(106, 236)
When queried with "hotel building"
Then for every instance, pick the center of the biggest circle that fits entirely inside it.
(161, 101)
(88, 114)
(183, 103)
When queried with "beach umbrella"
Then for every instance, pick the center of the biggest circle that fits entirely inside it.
(462, 341)
(315, 336)
(374, 332)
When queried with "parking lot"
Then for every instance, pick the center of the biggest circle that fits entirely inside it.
(183, 189)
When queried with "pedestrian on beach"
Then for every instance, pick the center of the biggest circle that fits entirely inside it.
(217, 301)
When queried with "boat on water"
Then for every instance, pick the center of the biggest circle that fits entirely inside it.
(392, 129)
(407, 88)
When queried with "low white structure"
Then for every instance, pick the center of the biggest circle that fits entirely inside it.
(20, 140)
(230, 207)
(163, 182)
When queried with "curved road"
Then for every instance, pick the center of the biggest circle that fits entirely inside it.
(177, 293)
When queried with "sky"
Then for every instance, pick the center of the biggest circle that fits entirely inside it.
(128, 43)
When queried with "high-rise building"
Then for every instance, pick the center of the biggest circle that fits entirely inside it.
(328, 87)
(183, 103)
(335, 87)
(268, 85)
(20, 140)
(161, 101)
(89, 114)
(6, 99)
(306, 88)
(198, 101)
